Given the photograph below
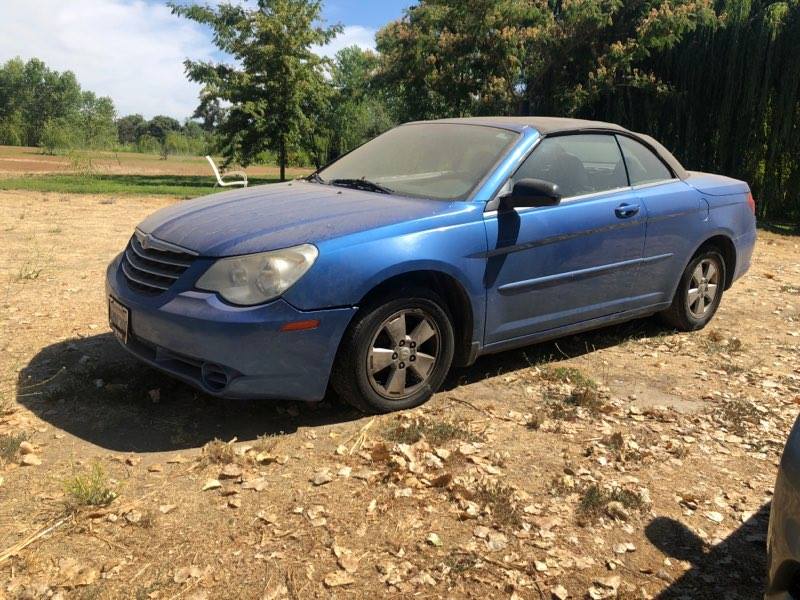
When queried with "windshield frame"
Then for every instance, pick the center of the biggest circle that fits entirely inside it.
(469, 195)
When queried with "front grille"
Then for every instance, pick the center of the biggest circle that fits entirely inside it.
(152, 271)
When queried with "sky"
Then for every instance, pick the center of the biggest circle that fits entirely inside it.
(133, 50)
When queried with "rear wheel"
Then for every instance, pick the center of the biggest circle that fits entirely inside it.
(699, 292)
(396, 353)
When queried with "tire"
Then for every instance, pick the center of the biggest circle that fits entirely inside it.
(687, 314)
(374, 339)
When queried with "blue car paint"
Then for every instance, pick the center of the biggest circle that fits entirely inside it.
(184, 330)
(529, 275)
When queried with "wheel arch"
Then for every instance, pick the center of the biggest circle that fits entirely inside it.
(727, 248)
(452, 291)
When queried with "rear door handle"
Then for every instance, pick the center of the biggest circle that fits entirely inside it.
(625, 211)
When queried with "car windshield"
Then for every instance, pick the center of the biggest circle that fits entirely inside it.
(444, 161)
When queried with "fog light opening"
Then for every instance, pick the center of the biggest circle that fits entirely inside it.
(214, 377)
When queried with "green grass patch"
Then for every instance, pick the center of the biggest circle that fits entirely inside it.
(568, 375)
(89, 489)
(181, 186)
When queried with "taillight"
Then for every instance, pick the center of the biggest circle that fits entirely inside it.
(751, 202)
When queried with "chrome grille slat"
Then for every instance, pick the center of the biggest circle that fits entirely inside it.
(150, 271)
(140, 266)
(137, 248)
(126, 271)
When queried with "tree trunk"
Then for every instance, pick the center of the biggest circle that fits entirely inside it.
(282, 158)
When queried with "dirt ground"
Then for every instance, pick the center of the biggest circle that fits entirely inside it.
(631, 462)
(16, 160)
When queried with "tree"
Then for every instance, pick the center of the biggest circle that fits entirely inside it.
(128, 127)
(448, 58)
(586, 51)
(276, 88)
(359, 106)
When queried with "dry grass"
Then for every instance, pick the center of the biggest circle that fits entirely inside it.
(738, 415)
(500, 501)
(594, 501)
(9, 445)
(219, 453)
(435, 432)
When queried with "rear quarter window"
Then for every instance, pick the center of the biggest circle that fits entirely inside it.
(643, 165)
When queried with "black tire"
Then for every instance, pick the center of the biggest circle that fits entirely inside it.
(351, 377)
(679, 315)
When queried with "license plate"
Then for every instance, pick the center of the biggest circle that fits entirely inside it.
(119, 319)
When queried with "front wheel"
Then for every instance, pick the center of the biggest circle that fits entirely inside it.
(396, 353)
(699, 292)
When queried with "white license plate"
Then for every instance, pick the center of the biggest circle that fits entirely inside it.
(119, 319)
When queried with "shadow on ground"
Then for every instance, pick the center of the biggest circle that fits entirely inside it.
(91, 388)
(734, 568)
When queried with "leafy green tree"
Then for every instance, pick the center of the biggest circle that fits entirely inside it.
(59, 135)
(128, 127)
(359, 106)
(586, 51)
(276, 88)
(98, 122)
(448, 58)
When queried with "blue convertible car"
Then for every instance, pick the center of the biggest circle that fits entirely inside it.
(429, 246)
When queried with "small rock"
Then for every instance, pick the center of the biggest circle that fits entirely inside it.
(559, 592)
(496, 541)
(25, 448)
(133, 517)
(211, 484)
(714, 516)
(322, 477)
(167, 508)
(31, 460)
(616, 510)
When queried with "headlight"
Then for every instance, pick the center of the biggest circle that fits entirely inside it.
(257, 278)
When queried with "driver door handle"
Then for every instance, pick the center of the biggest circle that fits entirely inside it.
(625, 211)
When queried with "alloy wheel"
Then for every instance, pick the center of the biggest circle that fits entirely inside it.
(403, 353)
(703, 288)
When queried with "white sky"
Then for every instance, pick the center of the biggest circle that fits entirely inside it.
(132, 51)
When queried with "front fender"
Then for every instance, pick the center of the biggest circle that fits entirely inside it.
(349, 268)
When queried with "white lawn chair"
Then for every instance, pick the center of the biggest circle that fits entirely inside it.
(242, 182)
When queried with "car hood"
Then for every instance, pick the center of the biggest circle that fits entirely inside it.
(270, 217)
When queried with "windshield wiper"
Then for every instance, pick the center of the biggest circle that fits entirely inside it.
(362, 184)
(316, 179)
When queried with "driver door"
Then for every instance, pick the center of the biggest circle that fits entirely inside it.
(550, 267)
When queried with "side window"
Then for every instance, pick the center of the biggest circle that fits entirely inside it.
(578, 164)
(643, 165)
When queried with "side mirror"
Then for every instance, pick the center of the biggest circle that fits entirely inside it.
(531, 192)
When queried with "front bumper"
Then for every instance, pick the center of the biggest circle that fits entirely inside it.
(229, 351)
(783, 541)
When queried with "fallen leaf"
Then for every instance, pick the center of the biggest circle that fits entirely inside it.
(433, 539)
(230, 471)
(338, 578)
